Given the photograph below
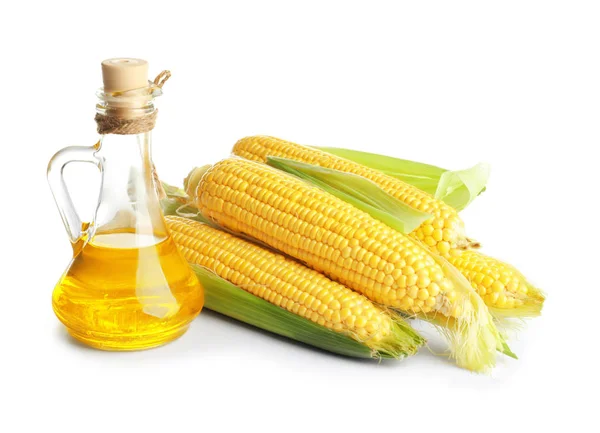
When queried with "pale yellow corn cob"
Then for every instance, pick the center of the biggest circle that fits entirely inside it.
(348, 245)
(281, 281)
(443, 234)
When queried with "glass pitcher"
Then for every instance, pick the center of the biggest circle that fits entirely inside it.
(127, 287)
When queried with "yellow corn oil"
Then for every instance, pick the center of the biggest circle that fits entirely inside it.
(127, 286)
(126, 291)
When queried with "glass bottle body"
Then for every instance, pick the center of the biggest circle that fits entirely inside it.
(127, 286)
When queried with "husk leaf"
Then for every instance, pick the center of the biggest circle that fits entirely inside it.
(356, 190)
(456, 188)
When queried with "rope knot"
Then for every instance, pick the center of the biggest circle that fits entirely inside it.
(110, 124)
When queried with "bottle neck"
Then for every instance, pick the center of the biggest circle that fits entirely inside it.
(127, 160)
(127, 151)
(128, 198)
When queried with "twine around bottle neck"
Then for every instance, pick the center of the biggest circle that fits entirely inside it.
(110, 124)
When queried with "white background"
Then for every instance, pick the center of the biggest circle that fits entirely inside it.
(452, 83)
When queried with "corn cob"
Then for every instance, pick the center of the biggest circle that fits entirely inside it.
(501, 286)
(290, 285)
(349, 246)
(443, 233)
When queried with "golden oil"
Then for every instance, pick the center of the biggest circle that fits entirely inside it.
(127, 291)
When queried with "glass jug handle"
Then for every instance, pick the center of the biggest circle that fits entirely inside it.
(59, 161)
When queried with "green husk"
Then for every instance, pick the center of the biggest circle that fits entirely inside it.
(356, 190)
(227, 299)
(173, 206)
(174, 192)
(456, 188)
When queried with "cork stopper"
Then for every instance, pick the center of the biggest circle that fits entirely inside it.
(122, 74)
